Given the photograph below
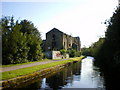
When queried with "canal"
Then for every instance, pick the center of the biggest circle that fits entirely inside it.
(77, 75)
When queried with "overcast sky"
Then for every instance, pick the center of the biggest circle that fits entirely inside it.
(81, 18)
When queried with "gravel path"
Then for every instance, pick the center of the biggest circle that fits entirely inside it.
(4, 69)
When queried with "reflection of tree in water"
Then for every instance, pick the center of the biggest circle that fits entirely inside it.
(56, 80)
(65, 76)
(112, 81)
(34, 86)
(77, 69)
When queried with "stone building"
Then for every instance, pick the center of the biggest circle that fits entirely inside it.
(57, 40)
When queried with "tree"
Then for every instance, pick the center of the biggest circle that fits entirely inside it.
(63, 51)
(78, 53)
(95, 47)
(33, 39)
(14, 48)
(109, 54)
(86, 51)
(20, 41)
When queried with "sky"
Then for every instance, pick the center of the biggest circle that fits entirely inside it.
(83, 18)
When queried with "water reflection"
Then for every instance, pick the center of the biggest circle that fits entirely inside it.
(90, 76)
(77, 75)
(65, 77)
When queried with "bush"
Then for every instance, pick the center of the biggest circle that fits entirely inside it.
(72, 53)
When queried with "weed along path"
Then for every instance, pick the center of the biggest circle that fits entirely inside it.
(4, 69)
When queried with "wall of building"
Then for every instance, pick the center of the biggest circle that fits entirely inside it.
(71, 42)
(48, 54)
(56, 55)
(54, 40)
(57, 40)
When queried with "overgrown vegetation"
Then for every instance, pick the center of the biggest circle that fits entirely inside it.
(71, 52)
(108, 56)
(109, 53)
(107, 50)
(20, 41)
(93, 50)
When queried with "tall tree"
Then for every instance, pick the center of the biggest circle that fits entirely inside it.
(109, 54)
(20, 41)
(14, 49)
(33, 39)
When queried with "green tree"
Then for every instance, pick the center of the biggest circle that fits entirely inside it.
(29, 28)
(20, 41)
(33, 39)
(86, 51)
(95, 47)
(109, 54)
(78, 53)
(63, 51)
(14, 48)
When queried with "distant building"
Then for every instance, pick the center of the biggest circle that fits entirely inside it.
(57, 40)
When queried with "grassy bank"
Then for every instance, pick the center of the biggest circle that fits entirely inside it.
(28, 70)
(10, 65)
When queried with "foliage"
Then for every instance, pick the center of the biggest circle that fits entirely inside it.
(86, 51)
(78, 53)
(94, 48)
(63, 51)
(20, 41)
(109, 53)
(72, 53)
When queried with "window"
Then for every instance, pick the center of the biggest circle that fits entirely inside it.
(64, 43)
(69, 45)
(53, 37)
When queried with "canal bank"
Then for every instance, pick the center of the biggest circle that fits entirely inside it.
(53, 68)
(81, 75)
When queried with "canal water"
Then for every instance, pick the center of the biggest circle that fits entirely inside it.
(77, 75)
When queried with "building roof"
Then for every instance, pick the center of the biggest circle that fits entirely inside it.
(54, 29)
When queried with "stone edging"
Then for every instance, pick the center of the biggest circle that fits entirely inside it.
(30, 77)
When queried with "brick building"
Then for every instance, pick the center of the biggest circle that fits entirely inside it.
(57, 40)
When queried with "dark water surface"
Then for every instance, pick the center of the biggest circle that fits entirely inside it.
(78, 75)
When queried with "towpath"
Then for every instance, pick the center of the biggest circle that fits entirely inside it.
(4, 69)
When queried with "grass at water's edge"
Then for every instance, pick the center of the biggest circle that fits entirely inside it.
(24, 71)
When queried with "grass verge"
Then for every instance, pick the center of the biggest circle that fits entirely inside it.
(28, 70)
(10, 65)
